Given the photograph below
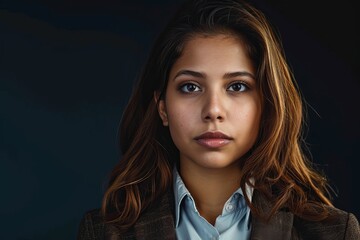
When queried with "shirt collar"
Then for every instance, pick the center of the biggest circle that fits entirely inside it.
(180, 191)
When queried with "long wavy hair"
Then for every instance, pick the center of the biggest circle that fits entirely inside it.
(277, 163)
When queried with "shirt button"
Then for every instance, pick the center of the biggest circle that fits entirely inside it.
(229, 207)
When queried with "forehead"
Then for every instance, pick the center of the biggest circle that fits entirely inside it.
(201, 44)
(222, 53)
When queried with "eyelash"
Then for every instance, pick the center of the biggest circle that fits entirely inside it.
(243, 84)
(181, 87)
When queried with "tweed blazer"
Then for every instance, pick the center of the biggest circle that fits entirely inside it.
(158, 223)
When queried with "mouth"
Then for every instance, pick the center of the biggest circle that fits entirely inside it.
(213, 139)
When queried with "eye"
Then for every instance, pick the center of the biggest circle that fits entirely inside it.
(189, 87)
(238, 87)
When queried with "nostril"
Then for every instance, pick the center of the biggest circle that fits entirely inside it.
(210, 117)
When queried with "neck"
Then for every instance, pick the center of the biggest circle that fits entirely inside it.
(210, 188)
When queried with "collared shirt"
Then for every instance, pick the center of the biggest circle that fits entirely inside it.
(233, 223)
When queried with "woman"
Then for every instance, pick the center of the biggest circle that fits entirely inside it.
(211, 140)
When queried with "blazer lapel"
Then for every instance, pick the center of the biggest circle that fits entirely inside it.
(279, 227)
(157, 222)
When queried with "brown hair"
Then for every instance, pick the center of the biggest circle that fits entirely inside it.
(276, 161)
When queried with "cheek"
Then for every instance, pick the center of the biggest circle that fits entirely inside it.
(180, 117)
(249, 117)
(180, 112)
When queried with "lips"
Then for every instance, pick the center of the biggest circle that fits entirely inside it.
(213, 139)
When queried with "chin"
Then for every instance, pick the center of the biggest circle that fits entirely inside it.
(217, 162)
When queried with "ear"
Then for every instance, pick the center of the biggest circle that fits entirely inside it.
(161, 108)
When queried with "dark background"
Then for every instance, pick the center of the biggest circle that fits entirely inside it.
(66, 72)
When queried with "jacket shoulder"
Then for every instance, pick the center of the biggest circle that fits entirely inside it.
(91, 226)
(338, 225)
(156, 222)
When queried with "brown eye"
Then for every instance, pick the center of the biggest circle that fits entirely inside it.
(238, 87)
(189, 87)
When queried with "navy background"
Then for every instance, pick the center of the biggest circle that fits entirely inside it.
(66, 72)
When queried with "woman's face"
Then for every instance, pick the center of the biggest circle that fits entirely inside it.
(212, 105)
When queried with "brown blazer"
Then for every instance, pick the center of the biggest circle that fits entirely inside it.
(158, 223)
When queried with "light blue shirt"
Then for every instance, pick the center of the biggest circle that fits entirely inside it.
(233, 223)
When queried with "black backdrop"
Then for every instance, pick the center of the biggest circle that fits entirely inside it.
(66, 72)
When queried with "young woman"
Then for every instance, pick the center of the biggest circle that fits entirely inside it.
(211, 140)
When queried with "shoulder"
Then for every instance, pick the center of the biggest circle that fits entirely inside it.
(91, 226)
(338, 225)
(156, 222)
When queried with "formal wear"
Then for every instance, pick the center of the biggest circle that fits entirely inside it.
(233, 222)
(158, 222)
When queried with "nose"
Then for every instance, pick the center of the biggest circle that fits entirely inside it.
(213, 108)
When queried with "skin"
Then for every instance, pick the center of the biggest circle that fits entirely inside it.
(201, 98)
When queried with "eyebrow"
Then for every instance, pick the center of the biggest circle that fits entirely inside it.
(226, 75)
